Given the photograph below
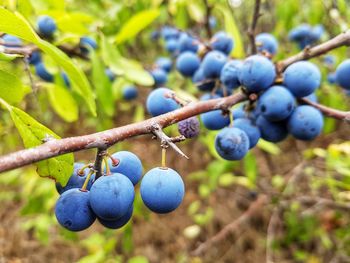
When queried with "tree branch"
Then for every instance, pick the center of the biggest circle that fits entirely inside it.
(252, 29)
(107, 138)
(208, 9)
(98, 162)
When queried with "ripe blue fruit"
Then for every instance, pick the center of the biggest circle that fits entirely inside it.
(34, 58)
(86, 43)
(46, 26)
(201, 81)
(302, 78)
(164, 63)
(229, 74)
(162, 190)
(222, 42)
(214, 120)
(266, 43)
(250, 129)
(127, 164)
(331, 78)
(257, 73)
(213, 63)
(300, 32)
(129, 92)
(312, 97)
(11, 41)
(158, 102)
(171, 45)
(42, 72)
(276, 103)
(232, 143)
(329, 60)
(160, 76)
(343, 74)
(239, 112)
(189, 127)
(111, 196)
(272, 131)
(187, 43)
(305, 123)
(73, 210)
(169, 32)
(115, 224)
(75, 180)
(110, 74)
(187, 63)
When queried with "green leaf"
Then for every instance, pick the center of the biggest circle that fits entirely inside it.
(269, 147)
(33, 133)
(62, 102)
(103, 85)
(11, 88)
(136, 24)
(232, 29)
(9, 57)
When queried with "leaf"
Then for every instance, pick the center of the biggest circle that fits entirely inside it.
(103, 85)
(9, 57)
(136, 24)
(232, 29)
(11, 88)
(195, 11)
(269, 147)
(62, 102)
(33, 133)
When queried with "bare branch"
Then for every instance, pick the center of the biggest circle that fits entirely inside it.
(98, 162)
(208, 9)
(252, 29)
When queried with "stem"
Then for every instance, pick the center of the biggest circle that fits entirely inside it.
(108, 169)
(87, 179)
(252, 29)
(163, 157)
(208, 9)
(101, 153)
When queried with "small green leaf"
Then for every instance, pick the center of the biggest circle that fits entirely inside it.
(11, 88)
(9, 57)
(269, 147)
(136, 24)
(138, 259)
(62, 102)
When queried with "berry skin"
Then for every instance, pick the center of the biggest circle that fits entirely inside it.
(271, 131)
(222, 42)
(198, 77)
(332, 78)
(73, 210)
(46, 26)
(158, 103)
(266, 43)
(110, 74)
(168, 32)
(239, 112)
(305, 123)
(329, 60)
(164, 63)
(276, 103)
(187, 63)
(257, 73)
(115, 224)
(171, 45)
(34, 58)
(160, 76)
(189, 127)
(214, 120)
(187, 43)
(111, 196)
(232, 143)
(128, 164)
(343, 74)
(162, 190)
(130, 92)
(229, 74)
(302, 78)
(11, 41)
(250, 129)
(42, 72)
(76, 180)
(86, 43)
(213, 63)
(300, 32)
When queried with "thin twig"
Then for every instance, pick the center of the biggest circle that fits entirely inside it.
(252, 29)
(208, 9)
(98, 162)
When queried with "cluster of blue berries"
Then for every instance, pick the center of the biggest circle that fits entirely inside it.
(306, 35)
(109, 199)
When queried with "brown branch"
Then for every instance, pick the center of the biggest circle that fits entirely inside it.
(342, 39)
(330, 112)
(252, 29)
(101, 152)
(208, 9)
(107, 138)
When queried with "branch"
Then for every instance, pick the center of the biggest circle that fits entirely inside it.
(252, 29)
(342, 39)
(107, 138)
(98, 162)
(208, 9)
(330, 112)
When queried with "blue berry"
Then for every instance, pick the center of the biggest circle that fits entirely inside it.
(111, 196)
(129, 92)
(300, 32)
(222, 42)
(250, 129)
(127, 164)
(11, 41)
(213, 63)
(73, 210)
(46, 26)
(34, 58)
(331, 78)
(329, 60)
(158, 102)
(187, 43)
(110, 74)
(118, 223)
(214, 120)
(257, 73)
(312, 97)
(276, 103)
(266, 43)
(189, 127)
(162, 190)
(302, 78)
(86, 43)
(202, 82)
(238, 112)
(42, 72)
(229, 74)
(271, 131)
(160, 76)
(171, 45)
(305, 123)
(343, 74)
(187, 63)
(168, 32)
(232, 143)
(164, 63)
